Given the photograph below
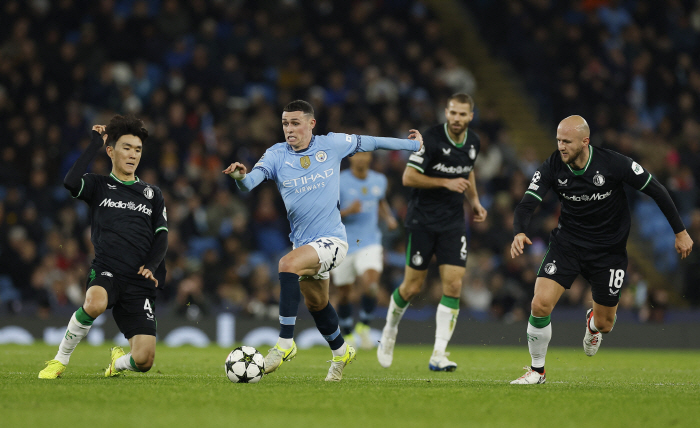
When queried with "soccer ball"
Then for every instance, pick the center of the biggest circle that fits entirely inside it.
(245, 365)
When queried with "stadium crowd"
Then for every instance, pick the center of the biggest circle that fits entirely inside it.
(209, 77)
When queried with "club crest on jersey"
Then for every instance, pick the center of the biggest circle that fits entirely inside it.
(417, 259)
(321, 156)
(472, 153)
(305, 162)
(637, 168)
(550, 268)
(598, 179)
(148, 193)
(536, 177)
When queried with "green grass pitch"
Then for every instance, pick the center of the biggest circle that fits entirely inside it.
(187, 388)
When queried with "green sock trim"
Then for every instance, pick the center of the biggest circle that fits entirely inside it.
(82, 317)
(450, 302)
(400, 302)
(133, 364)
(540, 322)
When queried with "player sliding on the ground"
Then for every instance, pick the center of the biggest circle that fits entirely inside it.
(130, 235)
(591, 237)
(306, 170)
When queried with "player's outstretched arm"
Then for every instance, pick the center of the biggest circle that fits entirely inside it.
(518, 245)
(414, 142)
(245, 181)
(73, 180)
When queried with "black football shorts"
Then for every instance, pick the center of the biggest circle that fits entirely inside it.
(605, 271)
(132, 306)
(449, 247)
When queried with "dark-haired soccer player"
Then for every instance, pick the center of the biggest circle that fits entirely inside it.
(441, 174)
(306, 169)
(130, 235)
(591, 237)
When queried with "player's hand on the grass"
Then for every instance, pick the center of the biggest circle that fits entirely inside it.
(518, 245)
(480, 213)
(413, 134)
(459, 185)
(146, 273)
(100, 129)
(236, 171)
(684, 244)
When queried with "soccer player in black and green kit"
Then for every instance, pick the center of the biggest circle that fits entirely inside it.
(591, 237)
(130, 236)
(441, 175)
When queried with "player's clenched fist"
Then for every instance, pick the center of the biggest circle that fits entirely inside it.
(413, 134)
(236, 170)
(100, 129)
(518, 244)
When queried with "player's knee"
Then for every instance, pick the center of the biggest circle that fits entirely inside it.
(286, 264)
(144, 360)
(540, 308)
(94, 306)
(411, 289)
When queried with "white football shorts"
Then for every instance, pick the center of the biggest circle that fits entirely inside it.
(331, 253)
(355, 264)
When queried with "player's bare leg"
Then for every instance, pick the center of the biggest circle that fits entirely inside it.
(316, 296)
(599, 320)
(539, 329)
(412, 283)
(446, 316)
(139, 359)
(78, 327)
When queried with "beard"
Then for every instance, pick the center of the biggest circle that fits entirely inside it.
(572, 157)
(459, 131)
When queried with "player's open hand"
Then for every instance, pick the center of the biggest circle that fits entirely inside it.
(413, 134)
(459, 185)
(146, 273)
(100, 129)
(236, 171)
(480, 213)
(684, 244)
(518, 245)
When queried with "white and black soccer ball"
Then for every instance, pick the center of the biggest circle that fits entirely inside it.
(245, 365)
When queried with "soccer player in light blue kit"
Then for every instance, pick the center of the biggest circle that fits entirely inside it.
(362, 202)
(306, 170)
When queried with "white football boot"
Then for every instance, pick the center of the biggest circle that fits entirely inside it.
(530, 377)
(440, 363)
(591, 341)
(385, 348)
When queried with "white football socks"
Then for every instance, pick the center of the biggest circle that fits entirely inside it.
(124, 363)
(537, 342)
(445, 321)
(74, 334)
(394, 314)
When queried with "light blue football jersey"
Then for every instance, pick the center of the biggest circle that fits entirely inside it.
(309, 180)
(362, 228)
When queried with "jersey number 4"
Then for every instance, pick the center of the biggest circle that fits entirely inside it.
(147, 306)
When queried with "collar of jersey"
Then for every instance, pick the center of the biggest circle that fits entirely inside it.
(311, 143)
(464, 141)
(581, 171)
(128, 183)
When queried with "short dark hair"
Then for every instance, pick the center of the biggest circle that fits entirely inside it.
(300, 105)
(125, 125)
(462, 98)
